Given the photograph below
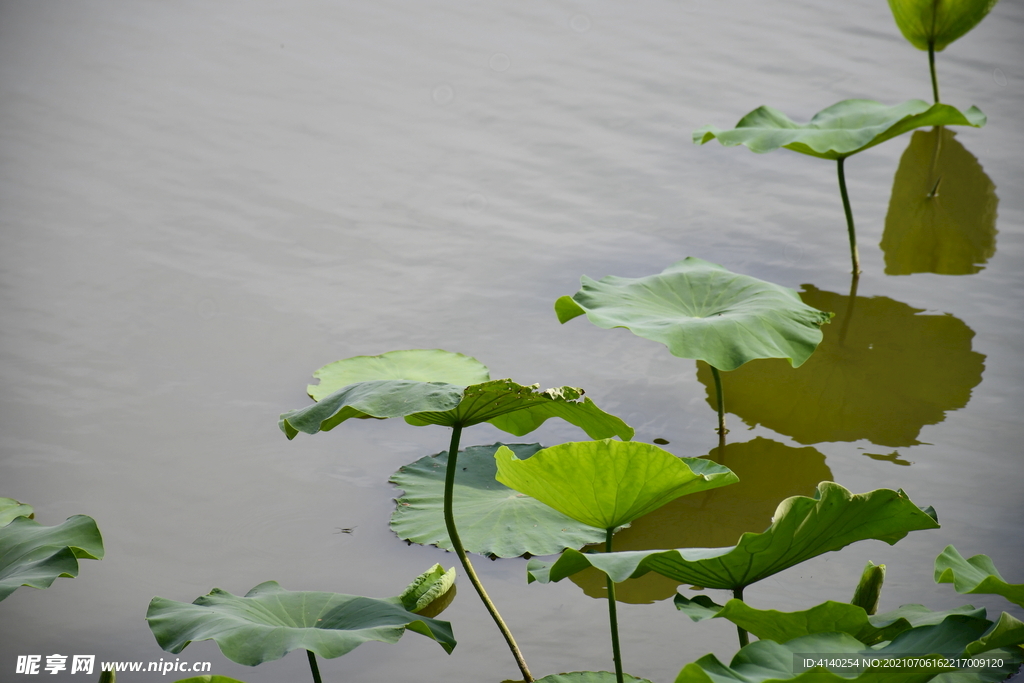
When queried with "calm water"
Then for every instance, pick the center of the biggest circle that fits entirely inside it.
(201, 204)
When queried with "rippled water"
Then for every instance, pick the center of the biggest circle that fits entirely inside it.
(201, 204)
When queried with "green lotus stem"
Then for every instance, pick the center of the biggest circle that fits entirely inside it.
(453, 534)
(313, 667)
(931, 66)
(612, 618)
(721, 408)
(849, 217)
(744, 637)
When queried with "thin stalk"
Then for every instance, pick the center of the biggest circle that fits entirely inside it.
(721, 408)
(848, 316)
(849, 217)
(612, 618)
(313, 667)
(931, 66)
(453, 534)
(744, 637)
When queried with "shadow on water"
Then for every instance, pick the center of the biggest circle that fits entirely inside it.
(769, 472)
(942, 214)
(882, 372)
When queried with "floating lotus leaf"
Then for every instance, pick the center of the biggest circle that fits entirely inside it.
(942, 214)
(427, 588)
(975, 575)
(700, 310)
(606, 483)
(492, 519)
(767, 661)
(803, 528)
(269, 622)
(838, 131)
(589, 677)
(416, 365)
(882, 372)
(937, 23)
(828, 617)
(35, 555)
(11, 509)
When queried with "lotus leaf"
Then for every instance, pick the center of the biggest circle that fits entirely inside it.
(589, 677)
(766, 660)
(803, 528)
(416, 365)
(269, 622)
(975, 575)
(838, 131)
(427, 588)
(11, 509)
(869, 588)
(1008, 632)
(937, 23)
(828, 617)
(35, 555)
(608, 483)
(942, 214)
(492, 519)
(700, 310)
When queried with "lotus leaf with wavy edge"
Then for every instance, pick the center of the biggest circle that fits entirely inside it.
(35, 555)
(976, 574)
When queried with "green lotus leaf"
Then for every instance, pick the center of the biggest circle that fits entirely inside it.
(975, 575)
(35, 555)
(768, 661)
(415, 365)
(426, 588)
(828, 617)
(11, 509)
(511, 407)
(803, 528)
(701, 310)
(937, 22)
(869, 588)
(492, 519)
(607, 483)
(269, 622)
(838, 131)
(942, 213)
(589, 677)
(1008, 632)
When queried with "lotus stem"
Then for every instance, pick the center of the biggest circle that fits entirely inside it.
(931, 66)
(612, 617)
(467, 566)
(721, 408)
(849, 217)
(313, 667)
(848, 316)
(744, 637)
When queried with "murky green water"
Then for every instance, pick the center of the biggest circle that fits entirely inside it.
(201, 204)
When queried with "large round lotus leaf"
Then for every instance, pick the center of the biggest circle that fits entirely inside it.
(802, 528)
(269, 622)
(882, 372)
(492, 519)
(700, 310)
(975, 575)
(35, 555)
(11, 509)
(417, 365)
(607, 483)
(937, 22)
(769, 472)
(590, 677)
(838, 131)
(942, 214)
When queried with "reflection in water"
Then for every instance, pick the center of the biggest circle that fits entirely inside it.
(881, 373)
(942, 215)
(769, 472)
(893, 457)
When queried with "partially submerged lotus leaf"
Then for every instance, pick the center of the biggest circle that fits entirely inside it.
(767, 660)
(803, 528)
(937, 22)
(608, 483)
(701, 310)
(426, 588)
(828, 617)
(976, 574)
(840, 130)
(34, 555)
(11, 509)
(269, 622)
(492, 519)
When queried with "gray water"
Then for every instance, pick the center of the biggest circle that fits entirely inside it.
(202, 203)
